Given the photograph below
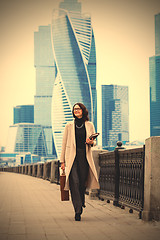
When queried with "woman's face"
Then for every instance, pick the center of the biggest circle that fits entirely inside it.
(78, 111)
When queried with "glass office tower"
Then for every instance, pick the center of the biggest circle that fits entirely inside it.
(45, 76)
(74, 51)
(23, 114)
(115, 115)
(27, 137)
(154, 69)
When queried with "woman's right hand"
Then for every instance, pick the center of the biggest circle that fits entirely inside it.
(63, 166)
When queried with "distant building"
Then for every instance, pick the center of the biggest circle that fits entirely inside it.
(154, 69)
(115, 115)
(23, 114)
(26, 137)
(45, 76)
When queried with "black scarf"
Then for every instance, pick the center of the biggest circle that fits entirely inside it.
(79, 121)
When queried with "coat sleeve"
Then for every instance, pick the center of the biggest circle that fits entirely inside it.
(95, 142)
(64, 142)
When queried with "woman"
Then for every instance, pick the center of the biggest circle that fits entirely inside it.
(76, 155)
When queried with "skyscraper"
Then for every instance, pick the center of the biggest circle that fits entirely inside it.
(115, 115)
(74, 52)
(45, 76)
(154, 69)
(23, 114)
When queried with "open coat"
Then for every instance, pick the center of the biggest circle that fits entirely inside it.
(69, 152)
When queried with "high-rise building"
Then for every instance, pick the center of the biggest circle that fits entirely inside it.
(26, 137)
(74, 52)
(154, 69)
(23, 114)
(115, 115)
(45, 76)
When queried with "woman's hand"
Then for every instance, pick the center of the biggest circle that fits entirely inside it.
(88, 141)
(63, 166)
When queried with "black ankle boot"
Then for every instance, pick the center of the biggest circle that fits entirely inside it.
(77, 217)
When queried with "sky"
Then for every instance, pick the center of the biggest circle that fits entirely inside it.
(125, 39)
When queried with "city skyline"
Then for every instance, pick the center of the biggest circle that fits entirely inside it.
(124, 39)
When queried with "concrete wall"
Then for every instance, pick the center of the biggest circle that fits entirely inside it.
(152, 180)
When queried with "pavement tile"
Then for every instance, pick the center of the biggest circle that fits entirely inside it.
(16, 237)
(35, 228)
(4, 229)
(59, 236)
(34, 236)
(3, 236)
(17, 228)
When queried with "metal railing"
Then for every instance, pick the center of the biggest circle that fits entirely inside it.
(122, 177)
(48, 170)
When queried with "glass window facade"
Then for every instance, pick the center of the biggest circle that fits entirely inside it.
(23, 114)
(115, 115)
(45, 76)
(154, 63)
(154, 69)
(27, 138)
(157, 34)
(70, 5)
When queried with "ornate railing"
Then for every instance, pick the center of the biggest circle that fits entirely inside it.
(122, 177)
(48, 170)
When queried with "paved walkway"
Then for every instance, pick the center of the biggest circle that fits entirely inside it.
(30, 209)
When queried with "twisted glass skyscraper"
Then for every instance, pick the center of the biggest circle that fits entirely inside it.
(74, 54)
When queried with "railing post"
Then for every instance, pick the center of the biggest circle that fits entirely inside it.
(116, 198)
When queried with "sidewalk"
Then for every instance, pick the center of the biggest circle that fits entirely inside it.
(30, 209)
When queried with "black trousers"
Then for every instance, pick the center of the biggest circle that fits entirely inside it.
(77, 179)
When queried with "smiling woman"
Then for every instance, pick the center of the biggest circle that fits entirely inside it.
(76, 155)
(77, 111)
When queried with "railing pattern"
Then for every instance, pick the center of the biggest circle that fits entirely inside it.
(122, 177)
(107, 175)
(48, 170)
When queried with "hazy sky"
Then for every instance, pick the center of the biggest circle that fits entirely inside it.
(125, 39)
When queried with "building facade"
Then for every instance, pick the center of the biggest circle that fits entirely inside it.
(45, 76)
(23, 114)
(115, 115)
(154, 69)
(26, 137)
(75, 56)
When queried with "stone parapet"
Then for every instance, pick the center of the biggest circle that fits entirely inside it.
(152, 180)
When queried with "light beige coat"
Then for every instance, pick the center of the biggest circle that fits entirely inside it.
(69, 152)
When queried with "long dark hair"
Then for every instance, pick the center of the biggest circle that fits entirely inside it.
(84, 111)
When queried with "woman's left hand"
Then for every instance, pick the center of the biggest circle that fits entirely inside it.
(88, 141)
